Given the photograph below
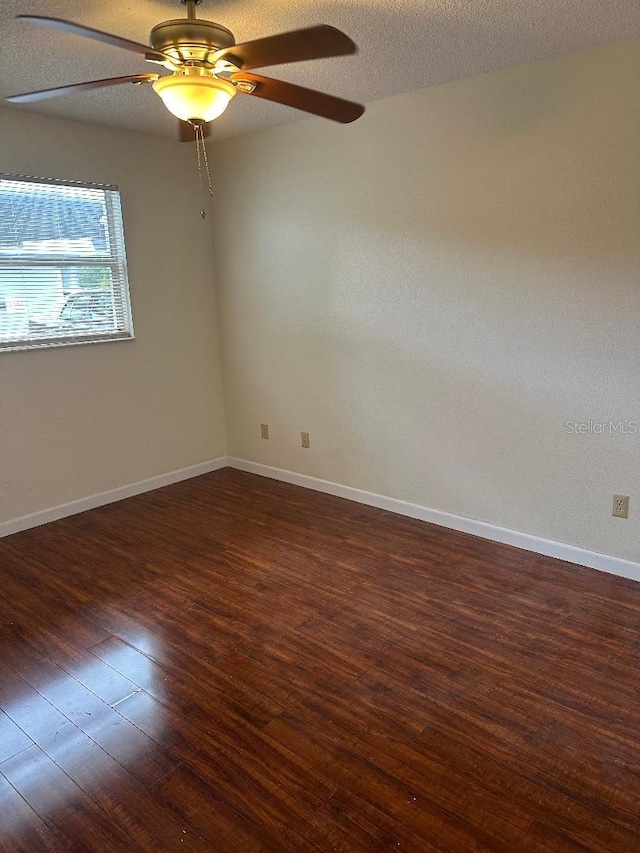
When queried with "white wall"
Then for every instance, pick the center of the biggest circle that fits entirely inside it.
(435, 290)
(76, 421)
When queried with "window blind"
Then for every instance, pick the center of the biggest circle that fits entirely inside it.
(63, 269)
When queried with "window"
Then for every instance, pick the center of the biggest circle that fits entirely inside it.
(63, 270)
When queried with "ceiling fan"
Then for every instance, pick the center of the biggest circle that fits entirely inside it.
(208, 68)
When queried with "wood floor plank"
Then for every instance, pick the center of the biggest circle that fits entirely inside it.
(12, 739)
(61, 803)
(122, 741)
(114, 791)
(108, 684)
(7, 673)
(37, 608)
(382, 770)
(23, 831)
(133, 665)
(209, 816)
(236, 665)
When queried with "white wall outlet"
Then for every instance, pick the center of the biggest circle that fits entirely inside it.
(264, 431)
(304, 439)
(620, 506)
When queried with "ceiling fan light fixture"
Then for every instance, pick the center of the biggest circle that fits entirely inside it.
(194, 96)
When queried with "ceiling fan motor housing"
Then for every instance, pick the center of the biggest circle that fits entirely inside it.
(189, 39)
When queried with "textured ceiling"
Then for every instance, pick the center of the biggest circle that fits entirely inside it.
(403, 45)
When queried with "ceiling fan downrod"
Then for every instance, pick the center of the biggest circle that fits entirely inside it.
(191, 8)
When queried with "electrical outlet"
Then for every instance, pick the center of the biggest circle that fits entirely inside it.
(304, 436)
(620, 506)
(264, 431)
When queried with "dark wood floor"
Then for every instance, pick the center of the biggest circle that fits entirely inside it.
(235, 664)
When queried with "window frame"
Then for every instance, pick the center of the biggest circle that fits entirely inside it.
(115, 261)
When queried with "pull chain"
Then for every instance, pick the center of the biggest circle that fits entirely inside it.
(202, 156)
(206, 163)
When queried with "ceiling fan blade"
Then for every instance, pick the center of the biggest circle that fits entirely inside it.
(312, 43)
(186, 131)
(327, 106)
(28, 97)
(97, 35)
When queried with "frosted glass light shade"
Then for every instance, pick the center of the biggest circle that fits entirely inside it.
(192, 97)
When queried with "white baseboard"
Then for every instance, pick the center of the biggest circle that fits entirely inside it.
(547, 547)
(35, 519)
